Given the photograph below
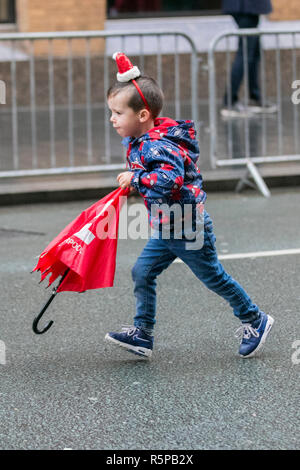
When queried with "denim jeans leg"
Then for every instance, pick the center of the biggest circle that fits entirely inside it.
(153, 260)
(205, 265)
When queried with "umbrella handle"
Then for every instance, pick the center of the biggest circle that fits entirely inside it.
(37, 319)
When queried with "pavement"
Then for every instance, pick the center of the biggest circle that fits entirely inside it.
(73, 187)
(68, 389)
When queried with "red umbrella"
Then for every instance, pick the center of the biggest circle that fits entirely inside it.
(84, 253)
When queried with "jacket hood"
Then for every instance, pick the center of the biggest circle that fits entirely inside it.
(181, 133)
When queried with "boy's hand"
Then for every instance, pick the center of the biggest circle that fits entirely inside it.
(124, 179)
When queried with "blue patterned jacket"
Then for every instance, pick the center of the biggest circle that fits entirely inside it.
(164, 164)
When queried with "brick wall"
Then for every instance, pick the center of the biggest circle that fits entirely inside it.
(62, 15)
(285, 10)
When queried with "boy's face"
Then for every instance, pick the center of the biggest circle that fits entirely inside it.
(125, 120)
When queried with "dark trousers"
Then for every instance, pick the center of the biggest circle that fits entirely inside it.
(244, 20)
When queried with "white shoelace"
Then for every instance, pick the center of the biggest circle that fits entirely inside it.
(130, 330)
(245, 331)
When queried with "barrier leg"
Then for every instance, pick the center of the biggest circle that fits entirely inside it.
(244, 182)
(258, 179)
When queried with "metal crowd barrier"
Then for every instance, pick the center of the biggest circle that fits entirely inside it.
(41, 156)
(255, 129)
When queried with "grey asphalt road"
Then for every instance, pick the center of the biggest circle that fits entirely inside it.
(69, 389)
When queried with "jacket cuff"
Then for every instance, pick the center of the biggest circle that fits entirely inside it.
(135, 180)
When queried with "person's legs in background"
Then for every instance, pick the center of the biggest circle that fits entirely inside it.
(232, 106)
(244, 21)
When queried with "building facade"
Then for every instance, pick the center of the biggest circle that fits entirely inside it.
(73, 15)
(57, 15)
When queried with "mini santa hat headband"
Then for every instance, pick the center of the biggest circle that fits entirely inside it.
(127, 72)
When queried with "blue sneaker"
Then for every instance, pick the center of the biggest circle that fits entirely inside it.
(254, 335)
(133, 339)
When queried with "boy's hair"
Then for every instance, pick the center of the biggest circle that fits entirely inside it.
(150, 89)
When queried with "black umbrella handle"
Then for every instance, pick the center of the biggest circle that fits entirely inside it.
(37, 319)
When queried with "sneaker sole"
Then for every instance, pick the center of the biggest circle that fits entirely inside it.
(235, 114)
(268, 328)
(139, 350)
(257, 110)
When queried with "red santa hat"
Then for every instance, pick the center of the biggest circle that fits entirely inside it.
(127, 71)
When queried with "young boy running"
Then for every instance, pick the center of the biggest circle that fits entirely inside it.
(162, 155)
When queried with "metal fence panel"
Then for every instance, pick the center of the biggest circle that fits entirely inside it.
(56, 120)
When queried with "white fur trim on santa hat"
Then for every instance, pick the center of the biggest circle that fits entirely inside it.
(129, 74)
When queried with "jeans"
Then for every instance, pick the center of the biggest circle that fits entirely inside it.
(158, 254)
(244, 20)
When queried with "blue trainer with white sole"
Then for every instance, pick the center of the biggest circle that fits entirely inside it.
(254, 335)
(133, 339)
